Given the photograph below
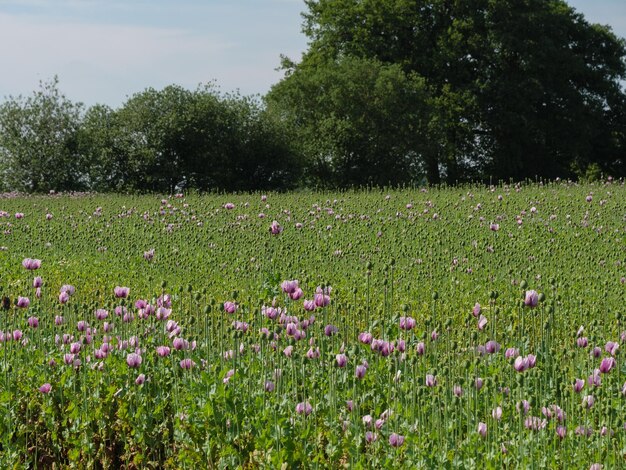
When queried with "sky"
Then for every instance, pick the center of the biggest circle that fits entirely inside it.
(104, 51)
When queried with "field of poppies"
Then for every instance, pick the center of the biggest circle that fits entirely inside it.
(417, 328)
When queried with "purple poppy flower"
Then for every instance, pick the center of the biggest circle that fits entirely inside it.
(45, 388)
(70, 289)
(64, 297)
(476, 310)
(31, 264)
(304, 408)
(275, 228)
(121, 292)
(341, 359)
(133, 360)
(330, 330)
(230, 307)
(289, 287)
(607, 364)
(431, 381)
(531, 299)
(187, 364)
(396, 440)
(578, 385)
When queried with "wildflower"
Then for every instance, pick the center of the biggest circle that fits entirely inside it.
(228, 376)
(133, 360)
(396, 440)
(482, 429)
(275, 228)
(341, 359)
(101, 314)
(31, 264)
(611, 347)
(230, 307)
(45, 388)
(289, 287)
(407, 323)
(607, 364)
(64, 297)
(121, 292)
(187, 364)
(511, 352)
(492, 347)
(476, 310)
(534, 423)
(531, 299)
(70, 289)
(365, 337)
(304, 408)
(578, 385)
(478, 383)
(431, 381)
(330, 330)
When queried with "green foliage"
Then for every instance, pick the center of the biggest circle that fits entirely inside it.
(386, 256)
(356, 120)
(38, 142)
(511, 89)
(159, 140)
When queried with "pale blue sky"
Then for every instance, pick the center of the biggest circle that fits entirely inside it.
(106, 50)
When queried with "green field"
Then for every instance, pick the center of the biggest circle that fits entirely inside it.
(219, 367)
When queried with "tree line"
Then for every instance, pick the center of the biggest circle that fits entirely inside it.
(389, 92)
(157, 141)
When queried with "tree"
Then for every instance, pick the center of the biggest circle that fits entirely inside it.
(38, 142)
(161, 140)
(356, 118)
(514, 88)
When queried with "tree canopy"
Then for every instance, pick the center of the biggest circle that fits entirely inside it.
(158, 141)
(508, 89)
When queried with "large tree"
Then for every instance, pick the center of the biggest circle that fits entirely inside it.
(356, 121)
(515, 88)
(38, 142)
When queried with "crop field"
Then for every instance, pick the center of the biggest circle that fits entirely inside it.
(470, 327)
